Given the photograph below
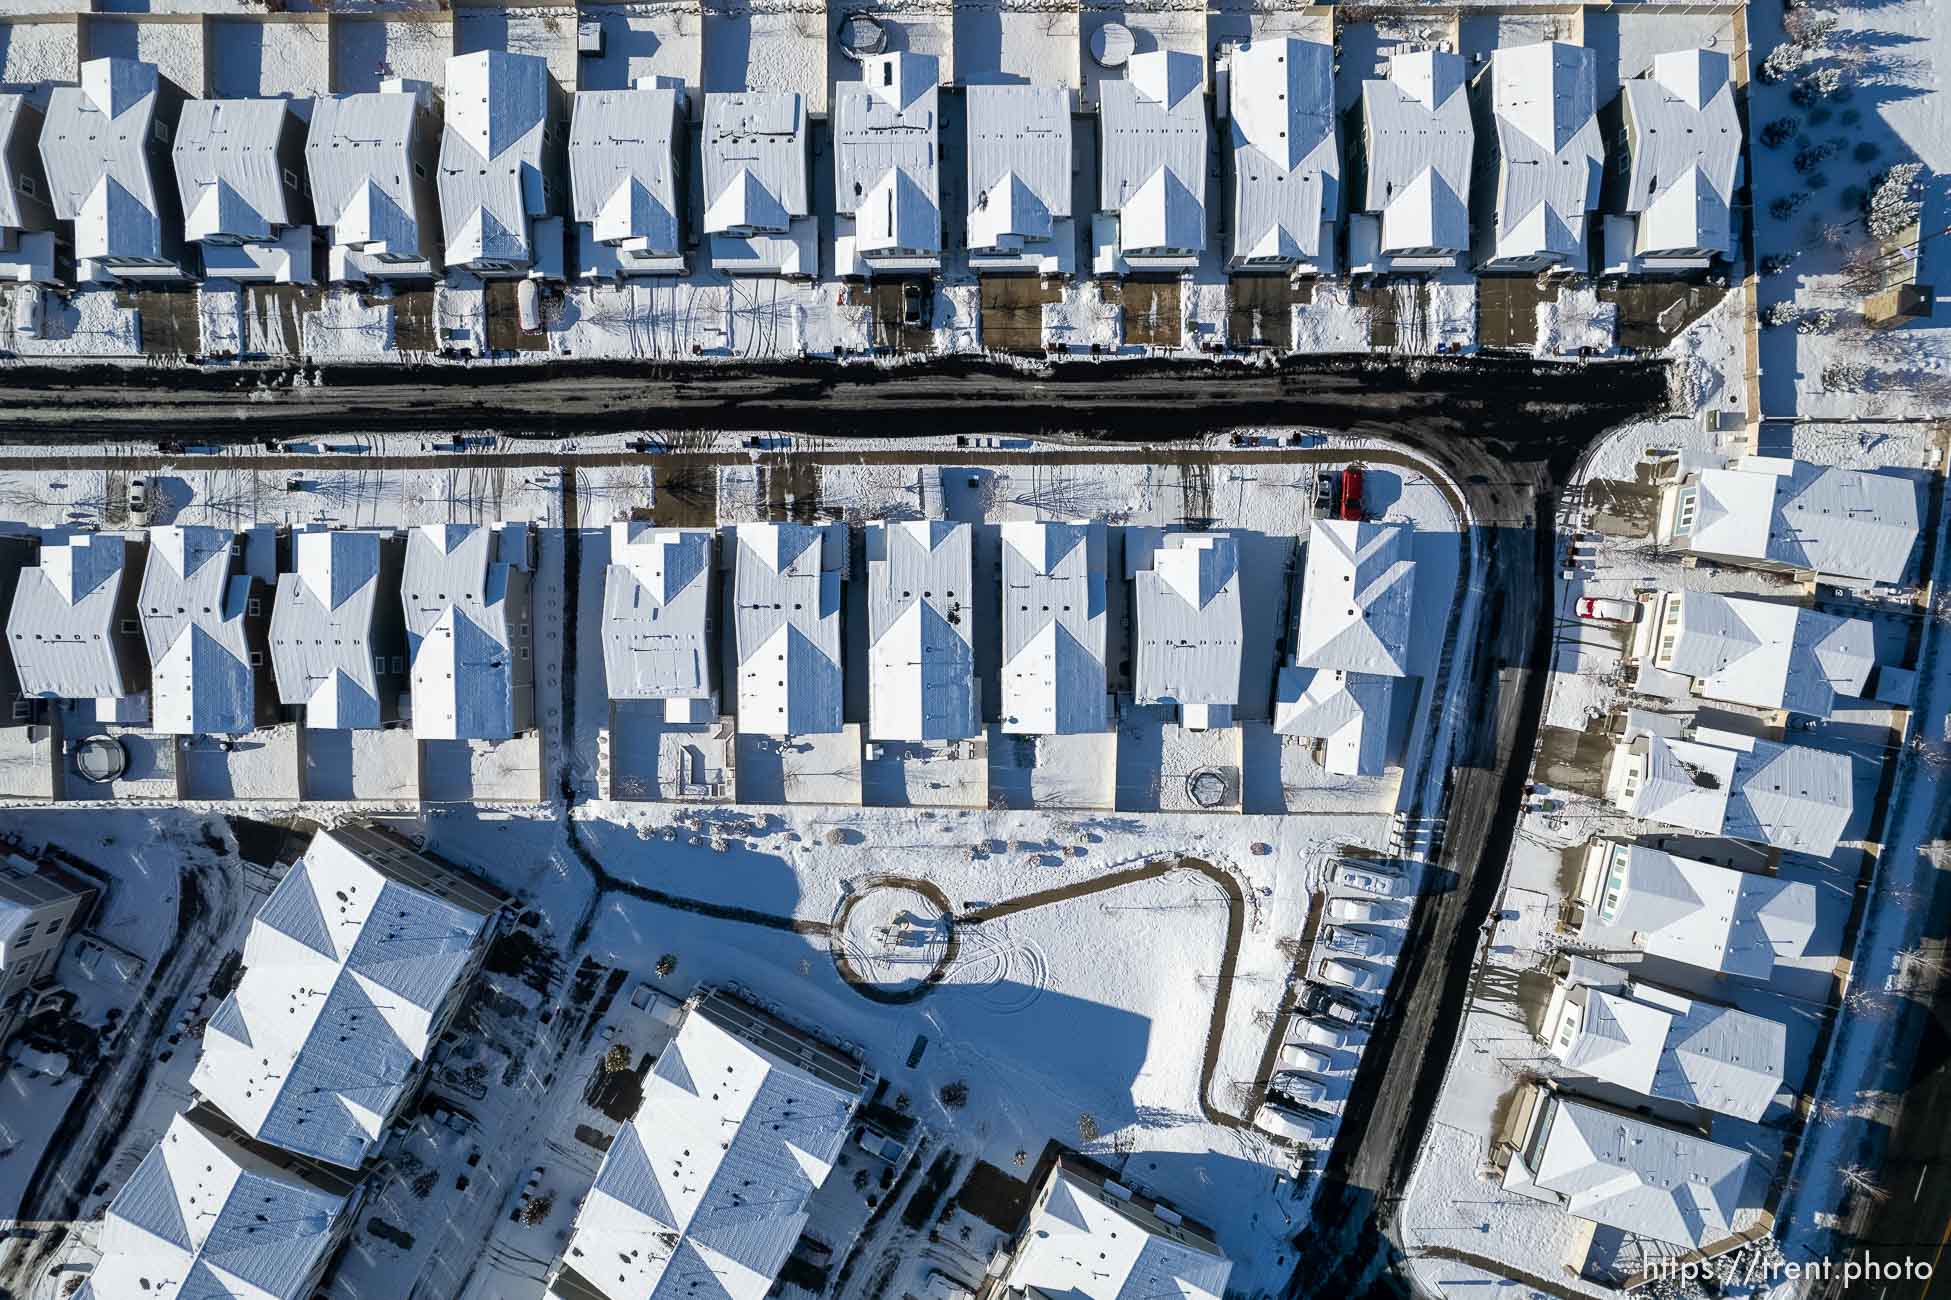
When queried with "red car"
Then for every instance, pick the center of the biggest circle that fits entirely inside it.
(1351, 492)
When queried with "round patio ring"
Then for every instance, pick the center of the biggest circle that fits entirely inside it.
(101, 759)
(1111, 45)
(863, 35)
(1206, 787)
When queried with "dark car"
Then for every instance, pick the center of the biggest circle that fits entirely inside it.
(914, 304)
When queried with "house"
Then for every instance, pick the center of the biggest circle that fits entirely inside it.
(1701, 915)
(1416, 158)
(921, 682)
(42, 902)
(1351, 642)
(1618, 1170)
(1773, 513)
(1152, 151)
(1723, 783)
(240, 166)
(1187, 634)
(886, 172)
(1607, 1026)
(465, 592)
(1054, 680)
(1766, 655)
(658, 640)
(18, 552)
(1019, 180)
(719, 1177)
(786, 620)
(501, 154)
(338, 639)
(372, 158)
(625, 187)
(1547, 155)
(210, 1213)
(1089, 1237)
(29, 247)
(105, 147)
(74, 629)
(353, 968)
(1677, 151)
(758, 200)
(205, 621)
(1284, 156)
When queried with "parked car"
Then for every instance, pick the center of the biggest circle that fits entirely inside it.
(1351, 492)
(1303, 1088)
(1327, 1034)
(1350, 976)
(1291, 1123)
(1295, 1056)
(879, 1145)
(1355, 943)
(1324, 1003)
(138, 497)
(913, 304)
(1357, 910)
(1601, 609)
(1367, 879)
(1324, 496)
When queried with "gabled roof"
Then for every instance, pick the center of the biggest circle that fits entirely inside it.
(201, 1217)
(1843, 522)
(195, 603)
(1152, 135)
(1663, 1044)
(886, 130)
(623, 167)
(1286, 153)
(786, 602)
(1357, 593)
(322, 628)
(465, 594)
(1348, 710)
(1419, 148)
(1788, 796)
(62, 627)
(755, 165)
(492, 154)
(1686, 152)
(1019, 163)
(1767, 655)
(1703, 915)
(921, 631)
(359, 153)
(657, 612)
(1188, 634)
(348, 968)
(95, 147)
(704, 1193)
(1085, 1243)
(1551, 155)
(228, 171)
(1053, 627)
(19, 121)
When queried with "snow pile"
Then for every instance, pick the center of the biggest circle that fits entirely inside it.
(958, 318)
(347, 326)
(220, 318)
(1574, 320)
(1331, 323)
(1082, 318)
(461, 314)
(86, 323)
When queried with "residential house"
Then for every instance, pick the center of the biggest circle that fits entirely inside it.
(18, 552)
(1284, 156)
(501, 156)
(105, 147)
(921, 683)
(886, 167)
(1187, 625)
(1724, 783)
(42, 902)
(465, 593)
(205, 620)
(786, 623)
(1416, 158)
(240, 170)
(1152, 165)
(1054, 626)
(626, 188)
(758, 200)
(1019, 180)
(1784, 658)
(1710, 917)
(29, 247)
(1547, 157)
(338, 639)
(372, 158)
(658, 620)
(74, 629)
(1773, 513)
(353, 968)
(1677, 151)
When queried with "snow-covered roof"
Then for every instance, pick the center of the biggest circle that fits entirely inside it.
(1286, 153)
(1696, 913)
(623, 167)
(754, 161)
(228, 169)
(1152, 140)
(1019, 164)
(63, 625)
(1663, 1044)
(202, 1217)
(494, 157)
(1357, 593)
(1348, 710)
(741, 1123)
(786, 605)
(885, 147)
(1788, 796)
(351, 968)
(1187, 641)
(657, 615)
(1763, 654)
(102, 151)
(1053, 627)
(1641, 1177)
(1685, 152)
(198, 622)
(921, 631)
(323, 628)
(1086, 1241)
(31, 889)
(360, 156)
(466, 597)
(1419, 144)
(1844, 522)
(1551, 153)
(20, 132)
